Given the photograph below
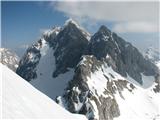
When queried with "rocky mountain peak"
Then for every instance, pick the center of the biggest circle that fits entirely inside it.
(102, 36)
(103, 29)
(126, 59)
(71, 21)
(74, 26)
(90, 74)
(72, 42)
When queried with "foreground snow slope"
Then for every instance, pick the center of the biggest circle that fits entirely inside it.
(21, 100)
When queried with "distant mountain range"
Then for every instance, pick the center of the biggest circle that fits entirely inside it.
(153, 55)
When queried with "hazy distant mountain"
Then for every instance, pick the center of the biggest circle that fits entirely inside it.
(101, 76)
(9, 58)
(153, 55)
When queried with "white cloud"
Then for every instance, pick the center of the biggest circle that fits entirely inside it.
(135, 27)
(140, 16)
(111, 11)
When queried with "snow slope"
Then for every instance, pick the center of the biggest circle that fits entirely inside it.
(141, 104)
(44, 82)
(21, 100)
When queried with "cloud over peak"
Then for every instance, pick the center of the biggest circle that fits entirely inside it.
(127, 16)
(135, 27)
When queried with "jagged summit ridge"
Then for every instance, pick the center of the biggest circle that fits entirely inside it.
(70, 21)
(88, 74)
(70, 43)
(49, 32)
(126, 59)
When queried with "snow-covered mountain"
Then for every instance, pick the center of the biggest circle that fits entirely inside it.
(101, 93)
(22, 100)
(93, 75)
(153, 55)
(9, 58)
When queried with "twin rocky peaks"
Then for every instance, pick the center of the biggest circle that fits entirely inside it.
(71, 42)
(87, 74)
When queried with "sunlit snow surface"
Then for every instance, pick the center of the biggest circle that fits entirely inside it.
(21, 100)
(140, 104)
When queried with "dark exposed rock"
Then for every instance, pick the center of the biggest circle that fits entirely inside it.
(71, 45)
(80, 94)
(157, 86)
(27, 65)
(127, 58)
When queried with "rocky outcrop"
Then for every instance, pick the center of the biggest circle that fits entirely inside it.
(83, 99)
(27, 65)
(71, 43)
(127, 59)
(68, 44)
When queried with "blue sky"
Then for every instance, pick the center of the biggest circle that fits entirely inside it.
(23, 22)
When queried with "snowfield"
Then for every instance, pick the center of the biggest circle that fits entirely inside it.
(44, 82)
(140, 104)
(21, 100)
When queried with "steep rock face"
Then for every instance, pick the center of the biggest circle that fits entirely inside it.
(68, 44)
(99, 92)
(27, 65)
(91, 92)
(9, 58)
(71, 43)
(126, 58)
